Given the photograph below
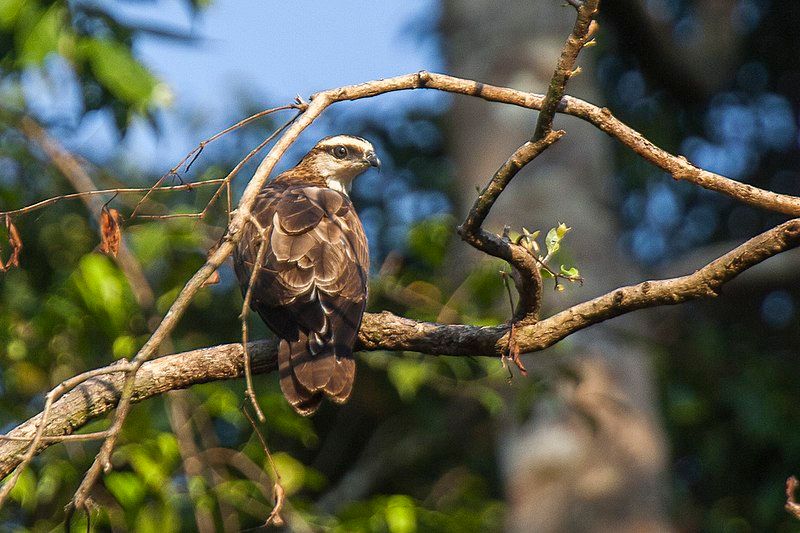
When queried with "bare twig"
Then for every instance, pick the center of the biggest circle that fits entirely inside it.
(110, 192)
(52, 439)
(278, 493)
(195, 153)
(250, 392)
(170, 216)
(226, 181)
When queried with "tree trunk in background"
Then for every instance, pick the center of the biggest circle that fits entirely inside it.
(595, 459)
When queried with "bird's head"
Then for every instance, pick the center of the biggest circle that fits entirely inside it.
(339, 159)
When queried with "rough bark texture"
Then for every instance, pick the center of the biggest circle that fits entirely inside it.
(385, 331)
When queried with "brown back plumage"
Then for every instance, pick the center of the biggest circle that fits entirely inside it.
(311, 288)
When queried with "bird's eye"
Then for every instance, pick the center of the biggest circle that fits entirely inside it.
(340, 152)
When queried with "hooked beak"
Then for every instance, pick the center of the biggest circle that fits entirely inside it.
(372, 159)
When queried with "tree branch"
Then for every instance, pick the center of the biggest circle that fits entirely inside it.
(385, 331)
(583, 30)
(602, 118)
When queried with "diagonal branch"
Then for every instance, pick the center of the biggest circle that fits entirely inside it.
(385, 331)
(583, 30)
(677, 166)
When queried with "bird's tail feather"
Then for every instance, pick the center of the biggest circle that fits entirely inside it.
(304, 401)
(340, 384)
(311, 368)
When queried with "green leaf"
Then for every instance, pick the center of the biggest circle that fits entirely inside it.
(552, 241)
(562, 230)
(428, 240)
(570, 272)
(491, 401)
(126, 487)
(119, 72)
(35, 43)
(407, 376)
(529, 240)
(124, 346)
(105, 291)
(25, 490)
(9, 12)
(292, 472)
(401, 516)
(151, 471)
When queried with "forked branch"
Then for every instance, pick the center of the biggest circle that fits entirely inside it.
(385, 331)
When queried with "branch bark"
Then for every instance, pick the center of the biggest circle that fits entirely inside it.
(385, 331)
(526, 276)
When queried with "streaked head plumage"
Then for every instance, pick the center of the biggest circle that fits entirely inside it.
(339, 159)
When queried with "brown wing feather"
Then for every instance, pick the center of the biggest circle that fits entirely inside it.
(311, 288)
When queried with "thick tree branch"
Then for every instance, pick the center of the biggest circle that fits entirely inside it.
(677, 166)
(385, 331)
(600, 117)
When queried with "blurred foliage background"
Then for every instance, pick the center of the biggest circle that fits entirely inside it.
(416, 447)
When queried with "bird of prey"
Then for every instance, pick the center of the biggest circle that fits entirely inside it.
(311, 286)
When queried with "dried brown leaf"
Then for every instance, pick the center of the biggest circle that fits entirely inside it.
(513, 351)
(791, 504)
(275, 518)
(213, 279)
(110, 232)
(15, 241)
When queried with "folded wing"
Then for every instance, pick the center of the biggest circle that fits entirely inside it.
(311, 288)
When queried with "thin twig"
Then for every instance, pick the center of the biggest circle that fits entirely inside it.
(52, 439)
(127, 190)
(385, 331)
(170, 216)
(226, 181)
(278, 493)
(250, 392)
(583, 30)
(195, 153)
